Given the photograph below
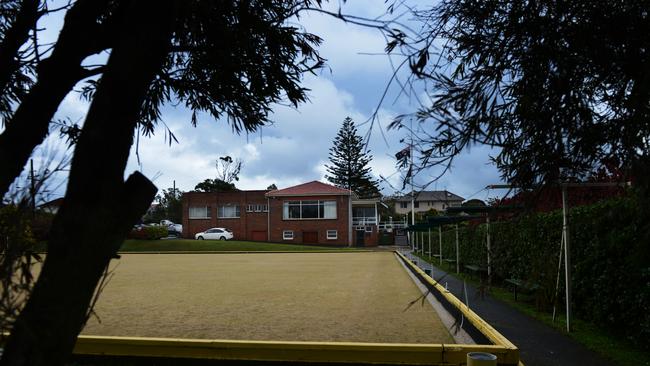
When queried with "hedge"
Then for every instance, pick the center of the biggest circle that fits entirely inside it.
(610, 260)
(149, 233)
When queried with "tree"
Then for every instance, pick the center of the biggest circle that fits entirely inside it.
(215, 185)
(557, 93)
(170, 207)
(231, 59)
(228, 169)
(349, 162)
(227, 173)
(272, 187)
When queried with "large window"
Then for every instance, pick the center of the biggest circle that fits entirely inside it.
(228, 212)
(403, 204)
(309, 210)
(199, 212)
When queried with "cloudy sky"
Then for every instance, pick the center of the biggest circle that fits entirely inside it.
(295, 148)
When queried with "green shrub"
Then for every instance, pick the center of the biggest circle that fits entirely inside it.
(610, 260)
(149, 233)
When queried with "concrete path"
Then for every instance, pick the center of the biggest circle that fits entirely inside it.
(539, 344)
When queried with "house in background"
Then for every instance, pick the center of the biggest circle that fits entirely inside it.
(427, 200)
(309, 213)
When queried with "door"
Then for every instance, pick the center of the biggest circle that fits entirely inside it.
(213, 234)
(310, 237)
(361, 236)
(258, 235)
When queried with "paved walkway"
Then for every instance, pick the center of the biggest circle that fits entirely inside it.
(539, 344)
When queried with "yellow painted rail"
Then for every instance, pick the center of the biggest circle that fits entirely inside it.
(480, 324)
(334, 352)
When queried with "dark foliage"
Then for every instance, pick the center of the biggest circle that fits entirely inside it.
(559, 88)
(215, 185)
(349, 162)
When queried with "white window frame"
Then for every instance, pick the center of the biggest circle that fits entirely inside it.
(228, 217)
(368, 229)
(326, 204)
(250, 207)
(194, 217)
(287, 235)
(332, 237)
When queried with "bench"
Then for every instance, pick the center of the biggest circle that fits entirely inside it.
(474, 269)
(526, 286)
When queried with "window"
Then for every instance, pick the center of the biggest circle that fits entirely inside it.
(368, 229)
(403, 204)
(417, 204)
(287, 235)
(256, 208)
(201, 212)
(332, 234)
(308, 210)
(228, 212)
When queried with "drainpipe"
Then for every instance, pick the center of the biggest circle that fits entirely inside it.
(350, 219)
(268, 219)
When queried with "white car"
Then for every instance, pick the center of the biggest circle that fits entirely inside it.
(216, 233)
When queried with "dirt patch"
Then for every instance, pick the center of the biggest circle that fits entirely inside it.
(356, 297)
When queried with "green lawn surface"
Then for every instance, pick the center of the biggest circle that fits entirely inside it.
(183, 245)
(620, 351)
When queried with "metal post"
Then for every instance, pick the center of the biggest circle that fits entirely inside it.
(429, 243)
(567, 259)
(422, 241)
(440, 242)
(489, 264)
(457, 252)
(415, 240)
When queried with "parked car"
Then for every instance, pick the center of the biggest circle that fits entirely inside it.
(174, 229)
(216, 233)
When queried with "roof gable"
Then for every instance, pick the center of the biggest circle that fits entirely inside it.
(313, 188)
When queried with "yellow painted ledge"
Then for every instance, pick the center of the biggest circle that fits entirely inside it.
(336, 352)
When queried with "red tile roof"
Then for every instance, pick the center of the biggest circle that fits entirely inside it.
(313, 188)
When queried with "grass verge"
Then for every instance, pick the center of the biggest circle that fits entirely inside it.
(620, 351)
(182, 245)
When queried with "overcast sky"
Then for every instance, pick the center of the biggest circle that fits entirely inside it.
(295, 148)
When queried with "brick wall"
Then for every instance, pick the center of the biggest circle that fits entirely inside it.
(242, 227)
(320, 226)
(253, 225)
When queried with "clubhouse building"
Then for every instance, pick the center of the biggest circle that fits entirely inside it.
(309, 213)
